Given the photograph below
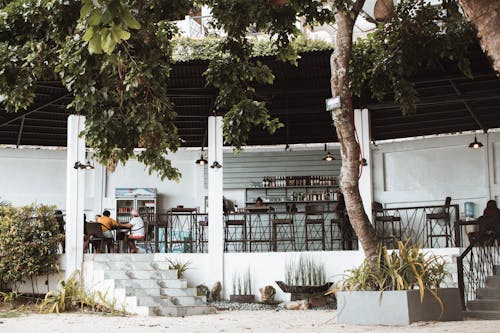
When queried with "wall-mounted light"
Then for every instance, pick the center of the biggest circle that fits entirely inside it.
(363, 161)
(475, 144)
(328, 157)
(216, 165)
(87, 166)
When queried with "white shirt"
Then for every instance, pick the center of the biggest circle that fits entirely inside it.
(137, 226)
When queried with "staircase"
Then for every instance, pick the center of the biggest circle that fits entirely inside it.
(143, 284)
(487, 304)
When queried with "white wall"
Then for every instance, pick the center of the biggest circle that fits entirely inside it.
(187, 192)
(424, 171)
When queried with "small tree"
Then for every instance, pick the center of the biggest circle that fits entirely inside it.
(29, 243)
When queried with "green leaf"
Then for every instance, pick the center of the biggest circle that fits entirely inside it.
(94, 18)
(107, 42)
(89, 34)
(95, 45)
(129, 20)
(85, 10)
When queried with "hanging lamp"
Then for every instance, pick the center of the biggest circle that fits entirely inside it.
(475, 144)
(328, 157)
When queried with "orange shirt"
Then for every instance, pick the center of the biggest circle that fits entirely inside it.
(107, 222)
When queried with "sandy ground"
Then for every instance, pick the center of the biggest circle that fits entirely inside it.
(224, 321)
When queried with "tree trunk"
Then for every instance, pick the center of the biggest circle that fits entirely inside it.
(485, 17)
(344, 124)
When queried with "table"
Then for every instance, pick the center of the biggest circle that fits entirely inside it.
(458, 228)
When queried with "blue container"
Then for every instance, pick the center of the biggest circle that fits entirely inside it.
(469, 209)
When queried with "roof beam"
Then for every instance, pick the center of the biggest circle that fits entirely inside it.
(35, 110)
(467, 107)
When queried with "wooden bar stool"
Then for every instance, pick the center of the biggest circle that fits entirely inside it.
(235, 231)
(283, 231)
(313, 221)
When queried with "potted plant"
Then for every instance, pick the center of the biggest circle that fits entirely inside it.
(242, 288)
(401, 287)
(305, 279)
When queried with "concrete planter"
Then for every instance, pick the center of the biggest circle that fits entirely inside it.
(396, 307)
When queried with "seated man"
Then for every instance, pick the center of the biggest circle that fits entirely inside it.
(107, 224)
(136, 226)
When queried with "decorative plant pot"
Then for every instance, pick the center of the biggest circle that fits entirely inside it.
(397, 307)
(242, 298)
(301, 292)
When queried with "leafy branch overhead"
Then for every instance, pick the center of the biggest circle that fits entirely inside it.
(115, 58)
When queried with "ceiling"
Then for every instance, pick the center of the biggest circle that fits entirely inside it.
(448, 103)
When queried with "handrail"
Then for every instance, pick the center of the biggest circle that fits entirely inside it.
(483, 236)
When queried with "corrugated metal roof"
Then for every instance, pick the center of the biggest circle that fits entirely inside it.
(448, 102)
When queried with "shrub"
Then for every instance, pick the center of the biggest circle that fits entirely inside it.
(29, 243)
(404, 269)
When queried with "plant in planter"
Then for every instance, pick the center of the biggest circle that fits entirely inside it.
(304, 279)
(403, 287)
(242, 288)
(179, 266)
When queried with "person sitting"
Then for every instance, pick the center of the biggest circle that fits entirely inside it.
(490, 221)
(107, 225)
(136, 226)
(259, 202)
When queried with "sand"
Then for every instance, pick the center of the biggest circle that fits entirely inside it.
(224, 321)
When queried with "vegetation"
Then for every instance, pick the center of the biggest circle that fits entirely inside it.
(29, 243)
(179, 266)
(405, 269)
(242, 285)
(305, 271)
(72, 296)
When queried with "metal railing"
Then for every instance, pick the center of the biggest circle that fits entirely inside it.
(417, 224)
(476, 263)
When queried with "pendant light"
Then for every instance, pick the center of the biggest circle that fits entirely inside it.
(475, 144)
(202, 160)
(328, 157)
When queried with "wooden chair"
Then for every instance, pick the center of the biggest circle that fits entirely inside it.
(387, 227)
(235, 231)
(438, 225)
(94, 232)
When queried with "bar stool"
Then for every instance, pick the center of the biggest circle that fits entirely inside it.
(314, 218)
(201, 239)
(386, 224)
(438, 225)
(282, 230)
(336, 232)
(235, 231)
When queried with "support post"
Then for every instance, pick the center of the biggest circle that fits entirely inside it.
(75, 191)
(363, 129)
(215, 197)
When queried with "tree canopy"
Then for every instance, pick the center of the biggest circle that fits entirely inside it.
(115, 57)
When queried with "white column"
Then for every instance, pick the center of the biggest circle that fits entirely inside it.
(215, 193)
(75, 191)
(362, 123)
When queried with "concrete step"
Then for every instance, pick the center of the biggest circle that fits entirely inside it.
(181, 311)
(484, 305)
(175, 292)
(148, 283)
(124, 257)
(493, 281)
(496, 269)
(488, 315)
(131, 265)
(488, 293)
(139, 274)
(170, 301)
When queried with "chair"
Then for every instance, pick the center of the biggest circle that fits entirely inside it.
(314, 217)
(148, 233)
(387, 227)
(282, 231)
(94, 232)
(438, 225)
(235, 231)
(201, 235)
